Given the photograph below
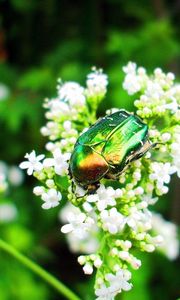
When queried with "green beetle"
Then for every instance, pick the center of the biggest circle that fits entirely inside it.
(107, 147)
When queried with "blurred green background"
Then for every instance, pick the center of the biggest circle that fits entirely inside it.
(41, 41)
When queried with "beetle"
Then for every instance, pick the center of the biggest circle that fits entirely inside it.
(107, 148)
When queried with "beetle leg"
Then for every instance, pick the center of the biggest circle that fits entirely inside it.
(91, 188)
(139, 153)
(111, 176)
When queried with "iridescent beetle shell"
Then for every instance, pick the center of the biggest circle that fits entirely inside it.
(107, 147)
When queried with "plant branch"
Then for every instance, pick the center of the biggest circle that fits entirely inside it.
(50, 279)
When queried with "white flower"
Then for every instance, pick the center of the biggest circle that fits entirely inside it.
(59, 162)
(15, 176)
(149, 199)
(8, 212)
(89, 243)
(175, 150)
(112, 220)
(166, 136)
(66, 210)
(161, 174)
(88, 269)
(154, 90)
(116, 283)
(38, 190)
(139, 218)
(51, 198)
(73, 93)
(80, 191)
(98, 262)
(79, 224)
(97, 83)
(104, 197)
(33, 163)
(104, 293)
(131, 84)
(130, 68)
(168, 231)
(134, 78)
(120, 280)
(57, 108)
(173, 106)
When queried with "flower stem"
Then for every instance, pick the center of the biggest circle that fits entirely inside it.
(51, 280)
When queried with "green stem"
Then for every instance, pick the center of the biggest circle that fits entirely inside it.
(51, 280)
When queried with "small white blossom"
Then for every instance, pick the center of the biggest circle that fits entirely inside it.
(88, 269)
(175, 150)
(15, 176)
(112, 220)
(139, 218)
(104, 197)
(130, 68)
(33, 163)
(172, 106)
(166, 137)
(80, 191)
(116, 283)
(8, 212)
(161, 174)
(131, 84)
(133, 81)
(73, 93)
(51, 198)
(98, 262)
(97, 83)
(86, 243)
(168, 231)
(38, 190)
(59, 162)
(57, 108)
(81, 260)
(79, 224)
(149, 199)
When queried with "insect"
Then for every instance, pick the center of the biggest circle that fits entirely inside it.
(107, 148)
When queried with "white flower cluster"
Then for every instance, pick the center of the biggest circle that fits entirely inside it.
(160, 175)
(71, 105)
(115, 283)
(9, 176)
(159, 99)
(104, 197)
(82, 236)
(135, 78)
(168, 232)
(175, 150)
(63, 129)
(108, 225)
(159, 93)
(96, 83)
